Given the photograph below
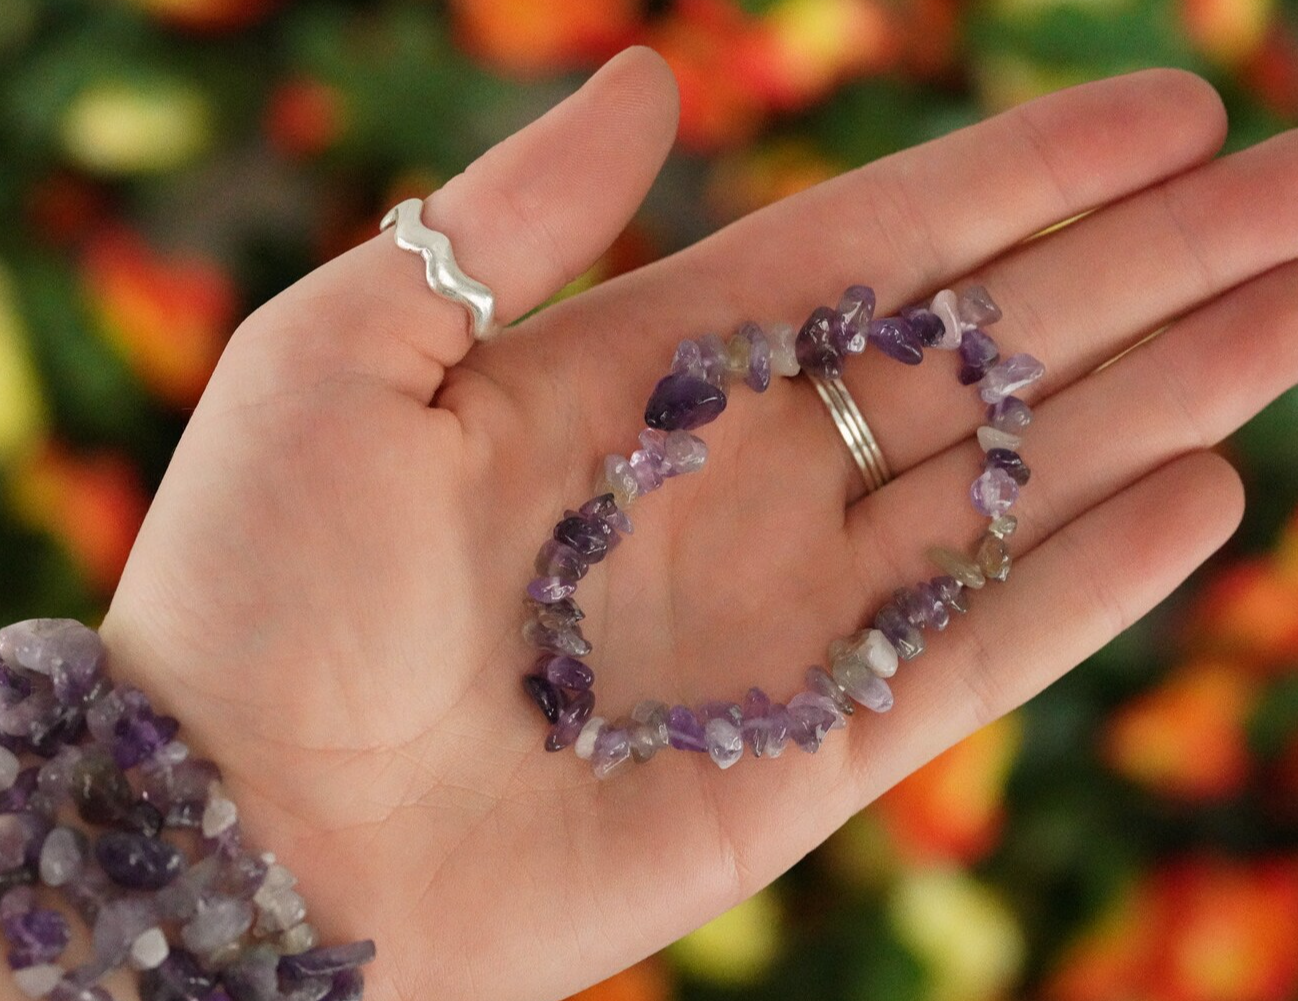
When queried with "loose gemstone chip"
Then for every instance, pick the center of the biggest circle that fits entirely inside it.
(216, 923)
(685, 730)
(138, 862)
(149, 950)
(819, 342)
(989, 438)
(546, 696)
(784, 355)
(21, 836)
(976, 307)
(1011, 415)
(896, 338)
(683, 402)
(1009, 376)
(905, 638)
(725, 743)
(37, 981)
(944, 305)
(993, 557)
(1010, 461)
(994, 492)
(954, 564)
(978, 353)
(100, 789)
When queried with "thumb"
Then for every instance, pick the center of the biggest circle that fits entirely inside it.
(526, 217)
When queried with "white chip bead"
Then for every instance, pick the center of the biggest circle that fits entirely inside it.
(219, 813)
(784, 359)
(879, 654)
(9, 768)
(149, 950)
(944, 305)
(37, 981)
(585, 744)
(989, 438)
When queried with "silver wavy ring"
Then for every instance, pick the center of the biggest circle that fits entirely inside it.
(442, 273)
(860, 440)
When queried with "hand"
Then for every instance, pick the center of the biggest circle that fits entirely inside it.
(327, 588)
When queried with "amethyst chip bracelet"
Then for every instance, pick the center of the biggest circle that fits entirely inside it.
(222, 923)
(693, 394)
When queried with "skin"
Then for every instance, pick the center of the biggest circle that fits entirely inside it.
(327, 587)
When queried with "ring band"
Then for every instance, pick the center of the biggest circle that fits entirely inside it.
(442, 273)
(860, 440)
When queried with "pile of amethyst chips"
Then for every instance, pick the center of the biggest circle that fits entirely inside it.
(227, 926)
(695, 393)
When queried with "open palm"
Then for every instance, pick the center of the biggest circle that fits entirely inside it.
(327, 588)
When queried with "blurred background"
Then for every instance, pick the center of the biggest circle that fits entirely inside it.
(167, 165)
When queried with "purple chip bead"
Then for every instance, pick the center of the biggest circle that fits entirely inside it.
(821, 682)
(549, 589)
(1011, 415)
(759, 357)
(612, 749)
(69, 653)
(684, 730)
(558, 559)
(994, 492)
(572, 717)
(1009, 376)
(546, 696)
(720, 709)
(817, 346)
(14, 799)
(912, 606)
(978, 353)
(892, 622)
(138, 862)
(951, 593)
(683, 402)
(927, 325)
(936, 614)
(855, 311)
(1010, 461)
(567, 672)
(648, 469)
(37, 936)
(715, 358)
(327, 960)
(688, 359)
(812, 716)
(895, 337)
(587, 536)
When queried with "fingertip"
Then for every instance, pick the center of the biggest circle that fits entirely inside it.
(1191, 99)
(1222, 493)
(648, 85)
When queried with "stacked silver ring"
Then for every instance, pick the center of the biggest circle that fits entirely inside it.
(856, 433)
